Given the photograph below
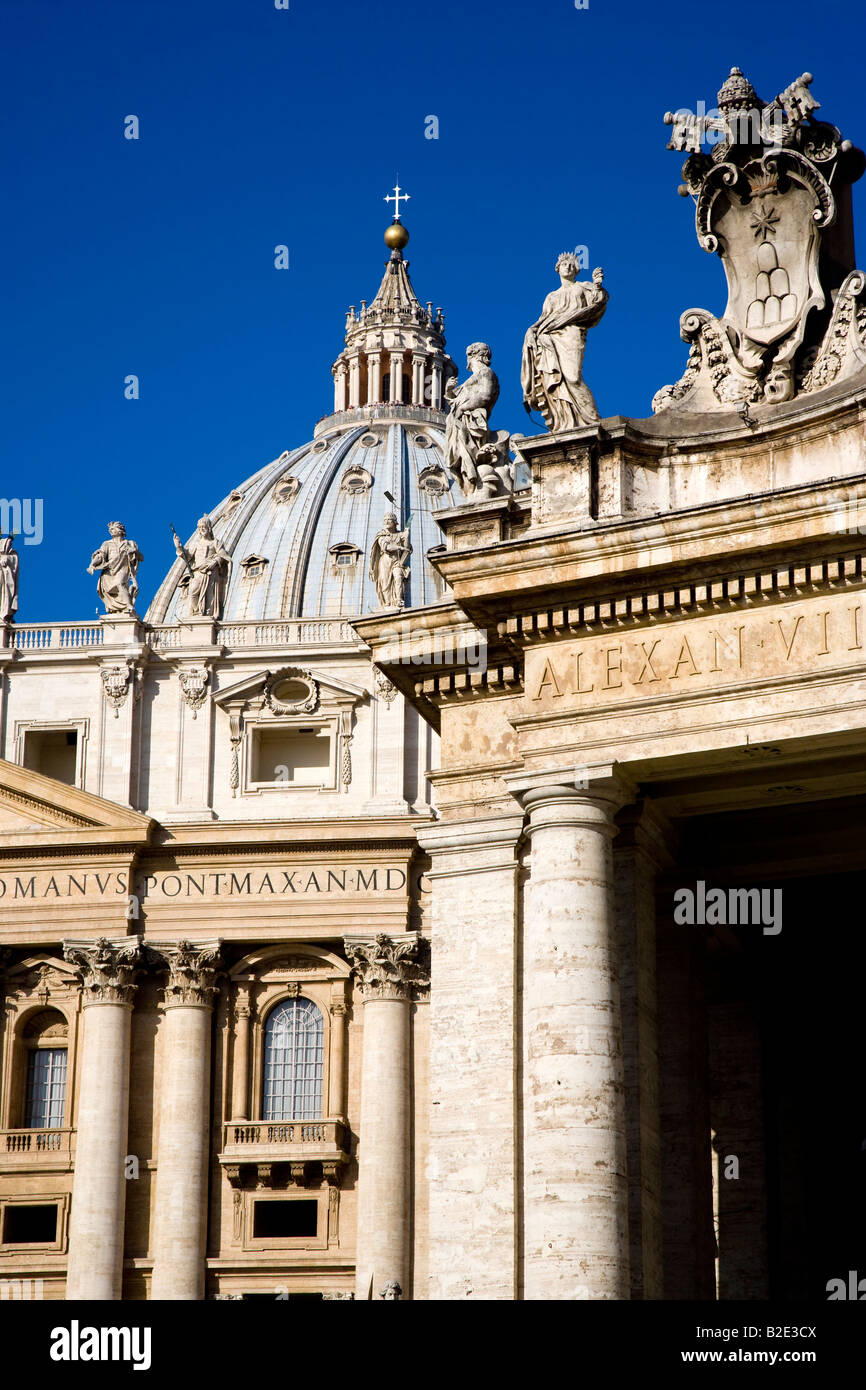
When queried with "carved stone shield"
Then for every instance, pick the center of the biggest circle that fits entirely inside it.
(769, 248)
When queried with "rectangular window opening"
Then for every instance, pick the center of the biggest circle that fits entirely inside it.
(295, 757)
(53, 752)
(288, 1220)
(30, 1225)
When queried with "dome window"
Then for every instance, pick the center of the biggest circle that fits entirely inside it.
(422, 442)
(356, 479)
(344, 555)
(292, 691)
(234, 500)
(286, 488)
(369, 441)
(320, 446)
(433, 481)
(253, 566)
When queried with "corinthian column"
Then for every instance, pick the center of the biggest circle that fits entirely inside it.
(106, 970)
(575, 1181)
(181, 1177)
(386, 969)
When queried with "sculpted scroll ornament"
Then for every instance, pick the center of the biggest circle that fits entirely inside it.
(385, 689)
(116, 682)
(193, 686)
(763, 200)
(387, 968)
(106, 969)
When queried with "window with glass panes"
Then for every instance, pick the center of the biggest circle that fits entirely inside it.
(294, 1044)
(46, 1088)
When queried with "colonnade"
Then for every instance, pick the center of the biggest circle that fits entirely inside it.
(543, 1070)
(422, 376)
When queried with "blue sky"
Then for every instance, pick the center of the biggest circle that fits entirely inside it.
(261, 127)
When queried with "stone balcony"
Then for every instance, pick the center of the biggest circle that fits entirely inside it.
(26, 1150)
(293, 1148)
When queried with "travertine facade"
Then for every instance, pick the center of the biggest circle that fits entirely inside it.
(322, 1039)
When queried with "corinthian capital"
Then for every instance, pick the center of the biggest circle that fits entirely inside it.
(387, 967)
(106, 969)
(192, 972)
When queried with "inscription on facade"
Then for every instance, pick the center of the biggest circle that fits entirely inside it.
(699, 653)
(264, 882)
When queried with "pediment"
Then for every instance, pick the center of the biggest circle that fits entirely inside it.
(241, 692)
(32, 805)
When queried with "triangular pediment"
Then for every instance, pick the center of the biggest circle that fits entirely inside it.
(34, 806)
(250, 686)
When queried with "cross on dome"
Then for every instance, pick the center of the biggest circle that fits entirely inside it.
(397, 197)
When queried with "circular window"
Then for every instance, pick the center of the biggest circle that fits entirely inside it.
(320, 446)
(422, 442)
(286, 488)
(356, 479)
(433, 481)
(291, 692)
(369, 441)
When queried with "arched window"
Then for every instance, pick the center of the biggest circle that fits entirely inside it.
(45, 1041)
(294, 1042)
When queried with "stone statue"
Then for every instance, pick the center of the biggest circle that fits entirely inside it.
(8, 580)
(476, 456)
(209, 566)
(391, 1291)
(551, 372)
(388, 568)
(118, 560)
(773, 200)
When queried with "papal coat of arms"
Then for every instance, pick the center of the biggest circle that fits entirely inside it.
(773, 199)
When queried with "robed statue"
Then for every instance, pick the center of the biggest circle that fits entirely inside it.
(209, 566)
(388, 568)
(117, 560)
(8, 580)
(551, 372)
(475, 455)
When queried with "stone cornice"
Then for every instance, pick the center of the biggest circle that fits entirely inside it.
(571, 557)
(106, 969)
(260, 837)
(387, 967)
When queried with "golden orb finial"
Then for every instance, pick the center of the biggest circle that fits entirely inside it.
(396, 237)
